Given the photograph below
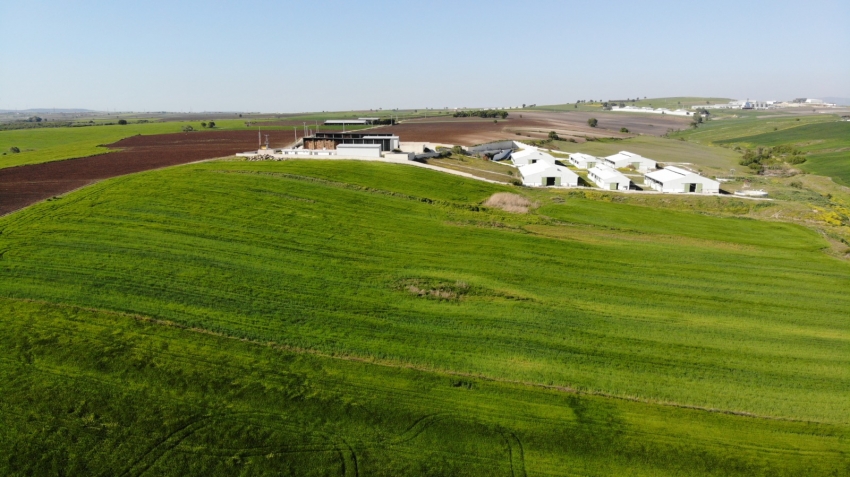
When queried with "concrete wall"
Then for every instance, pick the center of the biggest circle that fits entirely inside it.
(361, 150)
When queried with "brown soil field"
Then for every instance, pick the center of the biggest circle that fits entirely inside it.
(26, 185)
(531, 125)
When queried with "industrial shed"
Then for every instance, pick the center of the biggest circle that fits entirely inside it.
(321, 140)
(608, 178)
(676, 180)
(546, 174)
(584, 161)
(629, 159)
(531, 156)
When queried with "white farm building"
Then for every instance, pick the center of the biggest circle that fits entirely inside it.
(546, 174)
(584, 161)
(677, 180)
(629, 159)
(532, 156)
(608, 178)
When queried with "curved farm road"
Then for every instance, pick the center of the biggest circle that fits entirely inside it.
(25, 185)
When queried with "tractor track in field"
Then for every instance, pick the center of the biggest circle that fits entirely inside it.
(392, 364)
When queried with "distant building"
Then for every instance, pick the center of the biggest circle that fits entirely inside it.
(584, 161)
(625, 159)
(355, 122)
(545, 174)
(608, 178)
(676, 180)
(531, 156)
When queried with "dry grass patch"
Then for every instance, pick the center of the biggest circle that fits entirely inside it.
(509, 202)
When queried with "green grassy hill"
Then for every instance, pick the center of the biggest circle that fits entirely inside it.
(363, 318)
(825, 139)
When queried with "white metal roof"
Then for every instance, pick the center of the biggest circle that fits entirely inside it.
(625, 155)
(531, 152)
(679, 170)
(583, 157)
(664, 175)
(607, 174)
(541, 167)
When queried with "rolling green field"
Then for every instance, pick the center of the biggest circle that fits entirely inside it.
(825, 139)
(365, 319)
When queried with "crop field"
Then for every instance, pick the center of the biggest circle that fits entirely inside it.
(25, 185)
(55, 144)
(357, 318)
(522, 125)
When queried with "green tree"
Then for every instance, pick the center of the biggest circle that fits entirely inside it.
(14, 149)
(188, 128)
(211, 124)
(624, 130)
(592, 122)
(203, 125)
(554, 136)
(122, 122)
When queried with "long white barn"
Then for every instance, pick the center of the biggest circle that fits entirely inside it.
(584, 161)
(676, 180)
(545, 174)
(608, 178)
(629, 159)
(531, 156)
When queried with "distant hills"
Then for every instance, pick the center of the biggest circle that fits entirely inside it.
(47, 110)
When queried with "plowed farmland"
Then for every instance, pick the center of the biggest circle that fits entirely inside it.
(25, 185)
(531, 125)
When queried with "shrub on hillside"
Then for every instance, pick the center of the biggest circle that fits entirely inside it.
(592, 122)
(14, 149)
(122, 122)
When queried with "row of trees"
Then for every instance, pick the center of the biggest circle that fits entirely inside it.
(481, 113)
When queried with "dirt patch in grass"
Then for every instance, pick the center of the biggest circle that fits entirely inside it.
(513, 203)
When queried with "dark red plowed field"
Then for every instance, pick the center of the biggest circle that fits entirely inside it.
(26, 185)
(531, 125)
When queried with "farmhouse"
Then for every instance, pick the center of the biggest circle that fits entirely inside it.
(584, 161)
(547, 174)
(531, 156)
(629, 159)
(676, 180)
(608, 178)
(387, 141)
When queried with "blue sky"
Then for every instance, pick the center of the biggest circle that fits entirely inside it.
(277, 56)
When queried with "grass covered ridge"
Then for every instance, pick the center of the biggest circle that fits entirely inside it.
(412, 299)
